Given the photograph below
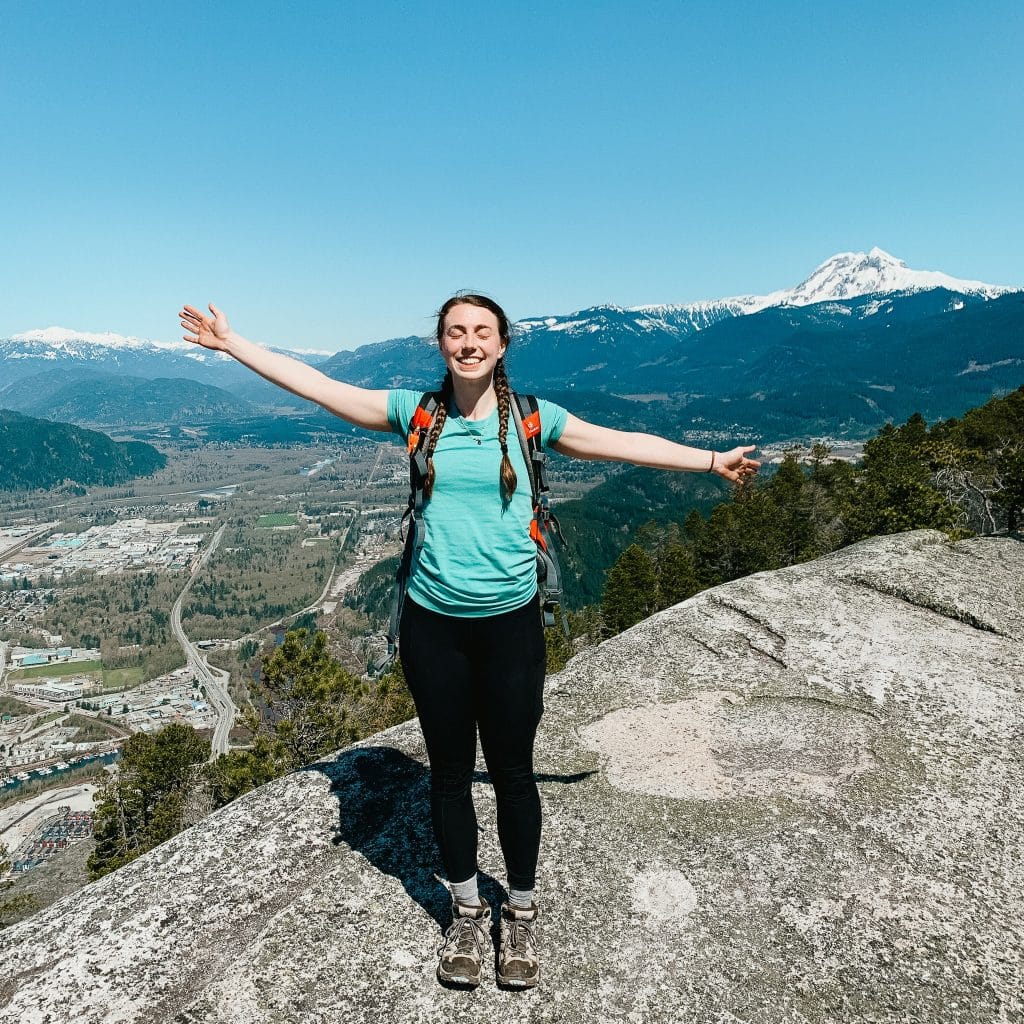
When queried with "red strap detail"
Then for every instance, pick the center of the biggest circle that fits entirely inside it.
(421, 420)
(531, 424)
(536, 536)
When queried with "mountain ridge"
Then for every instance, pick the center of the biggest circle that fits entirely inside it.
(827, 329)
(844, 275)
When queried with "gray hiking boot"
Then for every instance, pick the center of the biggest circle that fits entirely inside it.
(462, 952)
(518, 966)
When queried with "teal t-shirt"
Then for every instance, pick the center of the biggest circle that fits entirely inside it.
(477, 557)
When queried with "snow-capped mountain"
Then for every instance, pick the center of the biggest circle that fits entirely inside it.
(847, 275)
(841, 278)
(850, 274)
(31, 352)
(63, 339)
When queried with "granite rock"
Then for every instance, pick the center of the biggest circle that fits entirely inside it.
(795, 797)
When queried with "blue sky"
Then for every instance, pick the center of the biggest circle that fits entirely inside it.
(330, 172)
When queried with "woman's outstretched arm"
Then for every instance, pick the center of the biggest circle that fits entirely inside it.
(362, 406)
(583, 440)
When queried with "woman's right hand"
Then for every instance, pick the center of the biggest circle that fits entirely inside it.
(204, 331)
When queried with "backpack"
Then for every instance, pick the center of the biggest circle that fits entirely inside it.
(544, 528)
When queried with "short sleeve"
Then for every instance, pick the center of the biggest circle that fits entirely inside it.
(552, 421)
(401, 405)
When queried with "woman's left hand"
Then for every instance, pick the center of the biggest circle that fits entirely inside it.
(734, 465)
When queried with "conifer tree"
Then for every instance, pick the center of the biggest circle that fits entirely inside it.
(302, 708)
(143, 803)
(630, 591)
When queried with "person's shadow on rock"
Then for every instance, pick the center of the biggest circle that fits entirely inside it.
(384, 814)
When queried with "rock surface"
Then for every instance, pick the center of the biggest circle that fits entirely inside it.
(796, 797)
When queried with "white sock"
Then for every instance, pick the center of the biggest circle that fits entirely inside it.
(466, 892)
(521, 899)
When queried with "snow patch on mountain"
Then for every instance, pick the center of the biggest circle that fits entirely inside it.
(63, 337)
(52, 342)
(849, 274)
(846, 275)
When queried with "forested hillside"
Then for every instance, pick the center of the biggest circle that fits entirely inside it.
(40, 454)
(106, 399)
(963, 476)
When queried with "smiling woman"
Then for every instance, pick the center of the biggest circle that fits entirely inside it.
(471, 636)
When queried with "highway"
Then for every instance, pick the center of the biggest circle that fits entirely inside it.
(214, 680)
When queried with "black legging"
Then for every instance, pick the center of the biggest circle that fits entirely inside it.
(465, 673)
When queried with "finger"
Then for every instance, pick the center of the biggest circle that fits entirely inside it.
(214, 310)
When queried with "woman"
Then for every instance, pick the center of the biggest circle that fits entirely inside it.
(471, 640)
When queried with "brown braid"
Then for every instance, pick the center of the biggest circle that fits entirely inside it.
(435, 432)
(507, 474)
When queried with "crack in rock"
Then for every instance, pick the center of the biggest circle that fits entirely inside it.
(945, 611)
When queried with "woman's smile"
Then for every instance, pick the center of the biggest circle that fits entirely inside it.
(471, 341)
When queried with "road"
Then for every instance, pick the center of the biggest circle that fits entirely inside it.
(214, 680)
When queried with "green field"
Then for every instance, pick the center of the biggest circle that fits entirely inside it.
(277, 519)
(112, 678)
(123, 678)
(67, 668)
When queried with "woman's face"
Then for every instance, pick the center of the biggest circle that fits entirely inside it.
(471, 342)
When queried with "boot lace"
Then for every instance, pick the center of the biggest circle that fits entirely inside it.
(463, 938)
(521, 944)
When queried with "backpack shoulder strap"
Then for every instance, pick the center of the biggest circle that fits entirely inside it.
(416, 439)
(526, 412)
(544, 526)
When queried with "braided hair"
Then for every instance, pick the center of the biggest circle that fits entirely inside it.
(501, 389)
(506, 474)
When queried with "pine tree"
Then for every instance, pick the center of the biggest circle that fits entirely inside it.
(142, 803)
(630, 590)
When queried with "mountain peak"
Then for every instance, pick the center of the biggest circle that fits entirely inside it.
(849, 274)
(881, 254)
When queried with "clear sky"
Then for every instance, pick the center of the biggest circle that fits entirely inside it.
(330, 172)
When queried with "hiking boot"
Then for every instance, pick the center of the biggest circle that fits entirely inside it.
(462, 952)
(518, 966)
